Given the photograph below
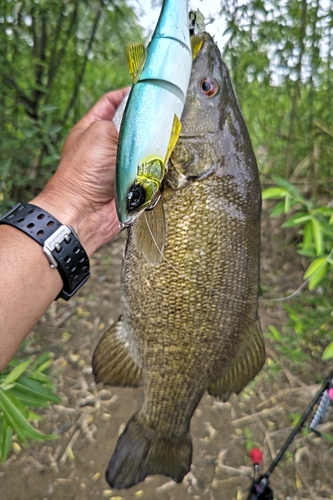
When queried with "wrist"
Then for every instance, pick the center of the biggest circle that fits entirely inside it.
(63, 210)
(94, 228)
(59, 243)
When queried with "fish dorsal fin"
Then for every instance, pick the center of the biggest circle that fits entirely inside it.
(174, 136)
(136, 58)
(115, 360)
(149, 233)
(244, 366)
(196, 44)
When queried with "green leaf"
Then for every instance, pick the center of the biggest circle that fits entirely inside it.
(41, 359)
(328, 352)
(317, 236)
(275, 333)
(33, 393)
(314, 267)
(283, 183)
(273, 192)
(45, 365)
(307, 236)
(55, 129)
(288, 186)
(278, 209)
(287, 203)
(16, 372)
(323, 210)
(45, 379)
(296, 220)
(5, 439)
(16, 415)
(316, 272)
(293, 191)
(29, 397)
(34, 416)
(307, 252)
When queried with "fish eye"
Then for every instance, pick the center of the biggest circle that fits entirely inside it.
(135, 197)
(209, 87)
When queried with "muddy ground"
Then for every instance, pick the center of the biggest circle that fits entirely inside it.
(90, 418)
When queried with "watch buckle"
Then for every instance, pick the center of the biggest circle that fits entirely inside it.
(53, 243)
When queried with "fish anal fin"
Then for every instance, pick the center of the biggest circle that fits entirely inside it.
(113, 362)
(244, 366)
(141, 451)
(136, 58)
(149, 233)
(174, 136)
(196, 44)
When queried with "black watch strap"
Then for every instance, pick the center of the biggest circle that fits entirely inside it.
(60, 244)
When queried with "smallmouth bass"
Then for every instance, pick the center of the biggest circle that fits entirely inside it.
(190, 323)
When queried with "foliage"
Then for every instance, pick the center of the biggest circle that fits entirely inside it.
(280, 56)
(316, 227)
(56, 59)
(249, 441)
(310, 318)
(25, 386)
(309, 329)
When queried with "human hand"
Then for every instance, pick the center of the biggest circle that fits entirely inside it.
(81, 192)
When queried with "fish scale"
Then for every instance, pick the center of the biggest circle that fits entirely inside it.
(190, 320)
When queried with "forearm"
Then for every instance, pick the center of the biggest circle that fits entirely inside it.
(28, 286)
(28, 283)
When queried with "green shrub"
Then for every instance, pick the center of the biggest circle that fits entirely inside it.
(24, 385)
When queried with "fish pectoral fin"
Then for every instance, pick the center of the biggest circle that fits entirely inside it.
(142, 451)
(136, 58)
(196, 43)
(244, 366)
(113, 362)
(149, 233)
(174, 136)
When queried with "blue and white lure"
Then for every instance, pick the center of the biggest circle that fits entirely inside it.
(151, 122)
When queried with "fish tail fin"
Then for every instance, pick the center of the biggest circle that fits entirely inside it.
(141, 452)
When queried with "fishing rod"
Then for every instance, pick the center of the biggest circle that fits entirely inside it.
(260, 489)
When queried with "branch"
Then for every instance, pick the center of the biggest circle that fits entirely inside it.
(55, 58)
(71, 29)
(28, 103)
(80, 77)
(293, 112)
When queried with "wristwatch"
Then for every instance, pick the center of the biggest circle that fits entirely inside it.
(60, 244)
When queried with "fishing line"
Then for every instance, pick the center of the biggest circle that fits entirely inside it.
(162, 254)
(300, 288)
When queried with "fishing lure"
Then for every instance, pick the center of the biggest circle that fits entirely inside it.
(151, 123)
